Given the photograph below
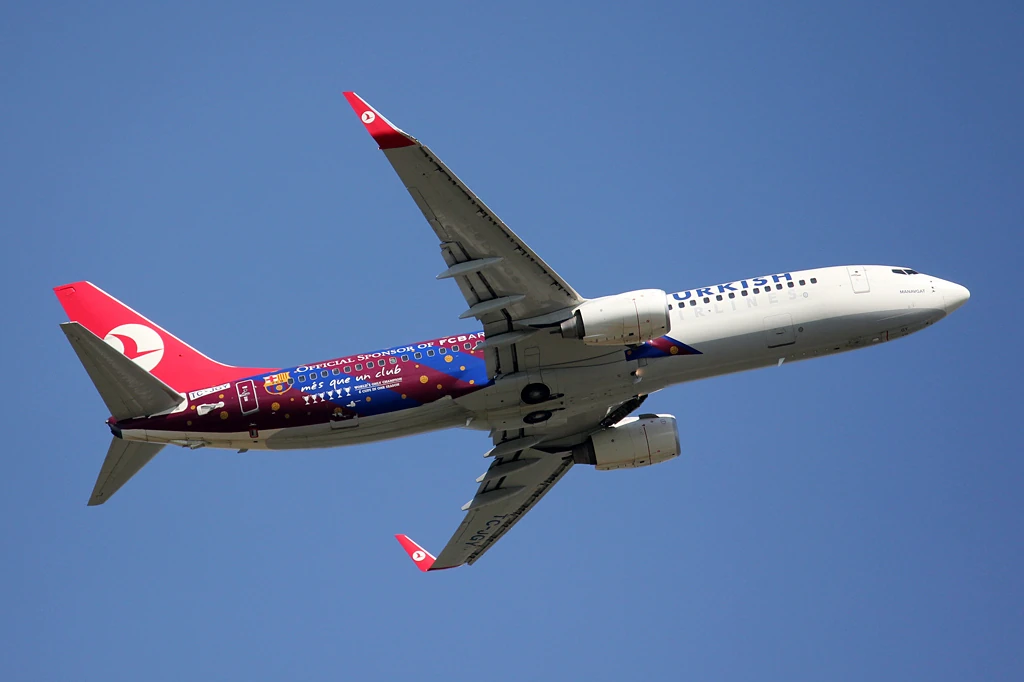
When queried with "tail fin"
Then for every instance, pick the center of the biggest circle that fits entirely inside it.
(151, 347)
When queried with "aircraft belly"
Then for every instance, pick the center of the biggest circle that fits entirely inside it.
(440, 414)
(574, 390)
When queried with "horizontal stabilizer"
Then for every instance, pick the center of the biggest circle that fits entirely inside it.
(127, 389)
(124, 459)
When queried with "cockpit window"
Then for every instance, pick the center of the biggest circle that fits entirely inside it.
(898, 271)
(912, 272)
(905, 271)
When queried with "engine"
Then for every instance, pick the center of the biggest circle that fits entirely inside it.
(632, 317)
(633, 442)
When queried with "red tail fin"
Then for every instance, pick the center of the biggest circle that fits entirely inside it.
(151, 347)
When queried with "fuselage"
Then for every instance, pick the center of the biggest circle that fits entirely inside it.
(443, 382)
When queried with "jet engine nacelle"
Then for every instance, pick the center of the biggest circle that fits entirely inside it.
(632, 317)
(633, 442)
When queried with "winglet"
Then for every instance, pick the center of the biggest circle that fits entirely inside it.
(424, 559)
(383, 131)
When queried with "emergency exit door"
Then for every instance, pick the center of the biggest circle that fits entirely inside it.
(859, 279)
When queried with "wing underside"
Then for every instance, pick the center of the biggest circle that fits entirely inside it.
(522, 471)
(500, 277)
(510, 487)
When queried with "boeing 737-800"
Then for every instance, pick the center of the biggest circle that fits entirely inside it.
(552, 378)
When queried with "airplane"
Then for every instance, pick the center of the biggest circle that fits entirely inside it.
(553, 378)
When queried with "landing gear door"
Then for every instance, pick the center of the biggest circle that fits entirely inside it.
(859, 279)
(530, 364)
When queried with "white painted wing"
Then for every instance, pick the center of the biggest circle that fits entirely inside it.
(501, 278)
(512, 485)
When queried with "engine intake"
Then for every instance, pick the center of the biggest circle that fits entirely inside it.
(633, 442)
(632, 317)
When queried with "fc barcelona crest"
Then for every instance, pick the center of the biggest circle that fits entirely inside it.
(276, 384)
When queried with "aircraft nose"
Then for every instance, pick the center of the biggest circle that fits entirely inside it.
(954, 296)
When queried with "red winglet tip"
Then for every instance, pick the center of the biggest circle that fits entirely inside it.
(421, 557)
(383, 131)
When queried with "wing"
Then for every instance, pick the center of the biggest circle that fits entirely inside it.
(511, 486)
(520, 474)
(501, 278)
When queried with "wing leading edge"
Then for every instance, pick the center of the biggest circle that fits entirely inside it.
(501, 278)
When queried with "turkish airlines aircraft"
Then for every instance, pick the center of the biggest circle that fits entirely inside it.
(553, 378)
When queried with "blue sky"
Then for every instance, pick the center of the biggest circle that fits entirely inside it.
(857, 517)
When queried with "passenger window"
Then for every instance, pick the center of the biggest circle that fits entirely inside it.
(670, 306)
(392, 361)
(417, 355)
(335, 371)
(430, 353)
(359, 368)
(302, 377)
(455, 349)
(743, 293)
(325, 374)
(778, 286)
(814, 280)
(790, 285)
(707, 300)
(732, 295)
(803, 282)
(441, 350)
(348, 369)
(467, 346)
(757, 290)
(693, 302)
(718, 298)
(369, 364)
(405, 358)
